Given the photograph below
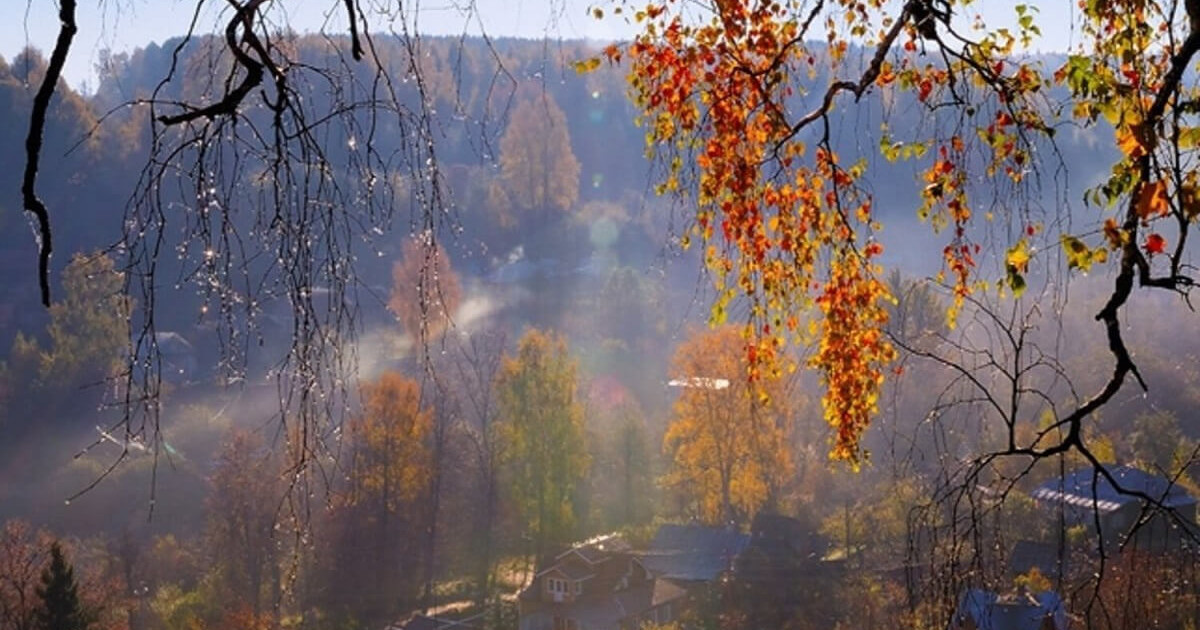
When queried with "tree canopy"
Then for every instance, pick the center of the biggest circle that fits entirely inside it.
(425, 291)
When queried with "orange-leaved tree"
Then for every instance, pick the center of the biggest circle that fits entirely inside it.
(539, 171)
(391, 454)
(728, 443)
(390, 469)
(425, 290)
(739, 100)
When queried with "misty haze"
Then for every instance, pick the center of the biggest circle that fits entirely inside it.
(800, 315)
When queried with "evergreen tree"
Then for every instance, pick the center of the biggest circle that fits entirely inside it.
(60, 608)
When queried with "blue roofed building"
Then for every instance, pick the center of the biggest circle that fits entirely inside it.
(694, 553)
(1085, 496)
(986, 610)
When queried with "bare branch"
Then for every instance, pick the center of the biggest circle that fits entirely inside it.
(33, 142)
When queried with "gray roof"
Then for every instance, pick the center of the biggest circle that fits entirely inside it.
(990, 611)
(693, 552)
(1086, 488)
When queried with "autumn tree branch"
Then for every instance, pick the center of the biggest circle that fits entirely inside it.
(858, 88)
(1133, 262)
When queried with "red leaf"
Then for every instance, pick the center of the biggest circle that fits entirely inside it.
(1155, 244)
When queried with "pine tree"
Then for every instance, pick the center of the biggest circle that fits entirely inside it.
(60, 608)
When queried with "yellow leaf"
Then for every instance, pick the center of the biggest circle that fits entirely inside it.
(1191, 196)
(1018, 256)
(1079, 255)
(1189, 138)
(1015, 264)
(586, 65)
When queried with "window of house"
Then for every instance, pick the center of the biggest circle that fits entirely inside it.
(578, 587)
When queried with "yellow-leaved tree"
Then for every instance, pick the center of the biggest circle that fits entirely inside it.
(729, 441)
(385, 504)
(542, 435)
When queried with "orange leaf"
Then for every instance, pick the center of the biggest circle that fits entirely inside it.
(1130, 142)
(1152, 200)
(613, 53)
(1114, 234)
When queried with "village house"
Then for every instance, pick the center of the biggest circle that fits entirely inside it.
(1161, 524)
(985, 610)
(598, 585)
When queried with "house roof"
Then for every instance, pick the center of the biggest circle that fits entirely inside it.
(990, 611)
(693, 552)
(424, 622)
(580, 560)
(1086, 488)
(597, 549)
(172, 343)
(569, 570)
(777, 526)
(783, 537)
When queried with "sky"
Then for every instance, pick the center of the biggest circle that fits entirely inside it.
(122, 25)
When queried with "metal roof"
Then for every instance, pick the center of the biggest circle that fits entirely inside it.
(693, 552)
(1087, 488)
(990, 611)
